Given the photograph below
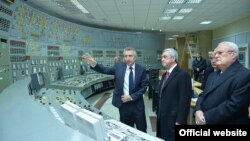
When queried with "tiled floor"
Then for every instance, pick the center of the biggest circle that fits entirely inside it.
(112, 111)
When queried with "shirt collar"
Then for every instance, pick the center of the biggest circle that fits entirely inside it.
(171, 69)
(133, 66)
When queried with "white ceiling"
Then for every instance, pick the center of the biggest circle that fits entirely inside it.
(141, 15)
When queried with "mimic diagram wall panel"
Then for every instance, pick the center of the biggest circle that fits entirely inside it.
(39, 42)
(32, 25)
(5, 68)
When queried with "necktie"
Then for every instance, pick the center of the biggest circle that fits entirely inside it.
(131, 81)
(167, 75)
(165, 79)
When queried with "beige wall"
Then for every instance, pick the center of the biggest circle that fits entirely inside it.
(205, 42)
(204, 45)
(206, 37)
(237, 27)
(183, 56)
(170, 43)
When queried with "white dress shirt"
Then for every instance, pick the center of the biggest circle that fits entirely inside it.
(126, 79)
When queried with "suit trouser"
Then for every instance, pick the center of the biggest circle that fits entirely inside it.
(168, 134)
(131, 115)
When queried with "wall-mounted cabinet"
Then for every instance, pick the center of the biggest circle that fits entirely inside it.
(192, 44)
(244, 55)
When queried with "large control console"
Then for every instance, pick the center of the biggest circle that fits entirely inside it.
(48, 98)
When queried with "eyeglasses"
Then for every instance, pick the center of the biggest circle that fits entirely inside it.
(221, 52)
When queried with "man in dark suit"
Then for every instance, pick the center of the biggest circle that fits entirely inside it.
(226, 97)
(211, 68)
(174, 98)
(199, 65)
(129, 101)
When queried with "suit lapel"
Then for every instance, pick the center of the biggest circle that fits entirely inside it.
(137, 71)
(172, 75)
(228, 74)
(123, 71)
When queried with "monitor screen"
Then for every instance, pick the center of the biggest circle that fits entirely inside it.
(60, 75)
(40, 79)
(82, 70)
(68, 114)
(37, 81)
(99, 118)
(90, 126)
(86, 122)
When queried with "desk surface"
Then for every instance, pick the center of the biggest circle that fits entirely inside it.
(198, 91)
(197, 84)
(22, 119)
(155, 84)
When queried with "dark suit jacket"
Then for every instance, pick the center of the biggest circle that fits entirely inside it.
(201, 64)
(226, 98)
(207, 72)
(174, 102)
(141, 82)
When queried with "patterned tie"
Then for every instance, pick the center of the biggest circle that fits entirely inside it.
(167, 76)
(131, 80)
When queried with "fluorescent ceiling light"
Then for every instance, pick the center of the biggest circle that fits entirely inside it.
(206, 22)
(79, 6)
(176, 1)
(170, 38)
(165, 18)
(170, 11)
(176, 35)
(185, 10)
(178, 17)
(184, 1)
(194, 1)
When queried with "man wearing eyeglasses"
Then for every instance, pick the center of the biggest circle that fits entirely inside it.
(226, 96)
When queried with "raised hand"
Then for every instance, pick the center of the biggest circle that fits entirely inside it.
(89, 59)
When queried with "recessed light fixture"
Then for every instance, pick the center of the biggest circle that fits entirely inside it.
(177, 17)
(185, 10)
(206, 22)
(194, 1)
(165, 18)
(79, 6)
(170, 11)
(176, 1)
